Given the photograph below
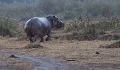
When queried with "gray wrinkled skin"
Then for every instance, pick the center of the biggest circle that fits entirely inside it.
(41, 26)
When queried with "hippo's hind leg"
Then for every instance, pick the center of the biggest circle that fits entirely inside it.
(30, 38)
(35, 38)
(48, 38)
(42, 39)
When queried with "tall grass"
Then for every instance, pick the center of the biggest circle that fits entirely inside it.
(69, 9)
(89, 31)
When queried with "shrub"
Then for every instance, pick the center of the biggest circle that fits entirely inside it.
(69, 15)
(84, 31)
(74, 26)
(90, 32)
(7, 27)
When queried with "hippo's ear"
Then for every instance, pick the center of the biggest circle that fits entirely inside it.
(55, 17)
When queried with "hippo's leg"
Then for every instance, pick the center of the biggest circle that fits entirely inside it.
(41, 39)
(35, 38)
(30, 38)
(48, 38)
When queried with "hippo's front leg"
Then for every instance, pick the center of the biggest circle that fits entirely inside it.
(48, 38)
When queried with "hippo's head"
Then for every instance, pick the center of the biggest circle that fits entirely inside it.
(59, 24)
(55, 22)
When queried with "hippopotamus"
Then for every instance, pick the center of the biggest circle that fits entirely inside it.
(38, 27)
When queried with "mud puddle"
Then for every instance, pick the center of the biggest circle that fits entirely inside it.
(40, 63)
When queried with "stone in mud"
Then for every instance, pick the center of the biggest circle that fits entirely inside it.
(13, 56)
(97, 53)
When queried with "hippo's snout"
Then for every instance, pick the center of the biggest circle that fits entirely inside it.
(60, 24)
(63, 24)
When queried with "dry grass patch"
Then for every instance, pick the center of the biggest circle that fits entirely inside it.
(72, 51)
(113, 45)
(16, 63)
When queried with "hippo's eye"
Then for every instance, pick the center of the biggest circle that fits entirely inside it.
(55, 18)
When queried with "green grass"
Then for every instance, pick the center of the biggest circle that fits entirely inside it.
(34, 45)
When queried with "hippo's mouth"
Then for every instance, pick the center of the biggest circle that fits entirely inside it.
(60, 24)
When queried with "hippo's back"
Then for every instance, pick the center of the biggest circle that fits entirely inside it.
(38, 22)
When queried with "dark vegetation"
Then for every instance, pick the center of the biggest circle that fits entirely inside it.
(91, 18)
(92, 31)
(8, 27)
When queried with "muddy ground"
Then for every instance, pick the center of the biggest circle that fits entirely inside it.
(60, 54)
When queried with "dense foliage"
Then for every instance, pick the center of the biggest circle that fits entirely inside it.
(69, 9)
(7, 27)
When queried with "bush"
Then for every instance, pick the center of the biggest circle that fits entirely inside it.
(90, 32)
(74, 26)
(69, 15)
(85, 31)
(7, 27)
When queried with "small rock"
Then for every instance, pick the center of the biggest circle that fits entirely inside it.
(13, 56)
(97, 53)
(70, 60)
